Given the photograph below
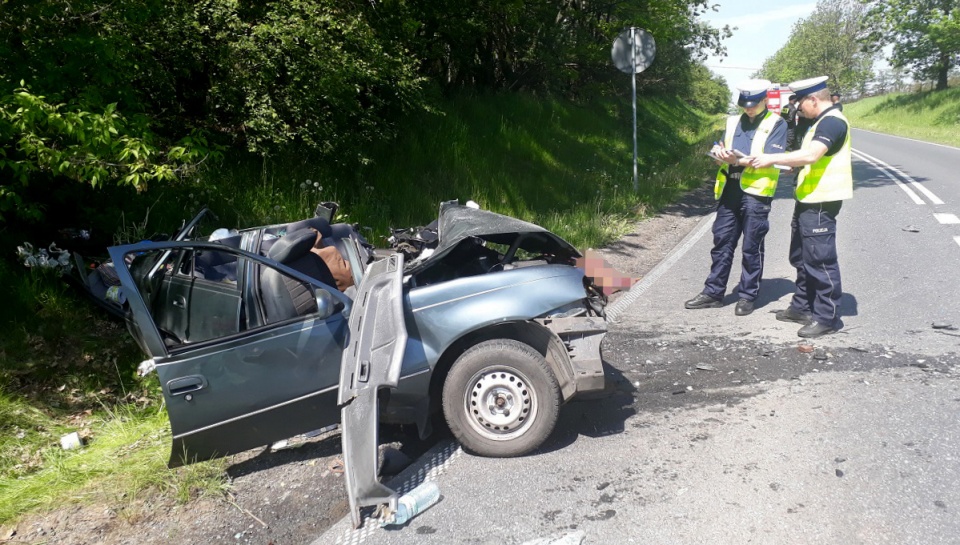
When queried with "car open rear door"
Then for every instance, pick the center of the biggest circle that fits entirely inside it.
(371, 361)
(235, 387)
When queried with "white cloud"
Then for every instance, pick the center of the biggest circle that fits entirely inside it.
(745, 22)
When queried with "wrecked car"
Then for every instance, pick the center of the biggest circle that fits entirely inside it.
(265, 333)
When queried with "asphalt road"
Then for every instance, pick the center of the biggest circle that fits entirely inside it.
(718, 429)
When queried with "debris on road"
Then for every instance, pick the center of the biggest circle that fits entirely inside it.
(911, 229)
(412, 504)
(943, 325)
(805, 348)
(705, 367)
(570, 538)
(335, 466)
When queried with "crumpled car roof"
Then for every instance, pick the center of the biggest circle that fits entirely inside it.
(458, 223)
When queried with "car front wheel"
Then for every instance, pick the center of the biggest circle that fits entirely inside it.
(501, 399)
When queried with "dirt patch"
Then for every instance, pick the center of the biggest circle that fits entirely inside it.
(278, 497)
(652, 239)
(293, 495)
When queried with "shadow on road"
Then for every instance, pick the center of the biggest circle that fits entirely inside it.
(595, 415)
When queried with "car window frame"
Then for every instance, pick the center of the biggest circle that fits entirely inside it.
(152, 337)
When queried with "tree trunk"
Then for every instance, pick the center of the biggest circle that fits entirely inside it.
(942, 71)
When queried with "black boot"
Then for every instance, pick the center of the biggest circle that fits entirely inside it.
(791, 314)
(814, 330)
(744, 307)
(702, 301)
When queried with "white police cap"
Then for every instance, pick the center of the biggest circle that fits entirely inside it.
(752, 92)
(806, 87)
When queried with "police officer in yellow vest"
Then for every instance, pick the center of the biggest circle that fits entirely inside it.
(824, 182)
(744, 196)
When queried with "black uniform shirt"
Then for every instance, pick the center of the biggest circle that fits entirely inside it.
(832, 132)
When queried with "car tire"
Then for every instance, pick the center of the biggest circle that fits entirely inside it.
(501, 399)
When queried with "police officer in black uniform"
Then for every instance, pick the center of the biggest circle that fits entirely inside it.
(789, 114)
(824, 182)
(835, 98)
(745, 195)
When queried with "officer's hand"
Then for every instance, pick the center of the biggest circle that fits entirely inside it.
(761, 161)
(727, 156)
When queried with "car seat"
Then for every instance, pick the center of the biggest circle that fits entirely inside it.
(218, 266)
(285, 297)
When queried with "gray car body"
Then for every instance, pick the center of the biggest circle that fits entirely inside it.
(229, 394)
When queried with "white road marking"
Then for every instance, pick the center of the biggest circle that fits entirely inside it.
(905, 138)
(916, 198)
(614, 311)
(947, 219)
(916, 185)
(957, 240)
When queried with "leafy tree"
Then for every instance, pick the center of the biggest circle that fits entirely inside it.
(545, 45)
(825, 43)
(310, 72)
(925, 35)
(40, 141)
(331, 76)
(709, 92)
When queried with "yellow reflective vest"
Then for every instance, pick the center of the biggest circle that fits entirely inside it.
(830, 178)
(756, 181)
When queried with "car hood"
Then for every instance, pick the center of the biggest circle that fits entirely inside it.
(458, 223)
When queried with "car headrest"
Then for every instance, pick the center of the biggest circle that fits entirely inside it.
(292, 245)
(320, 224)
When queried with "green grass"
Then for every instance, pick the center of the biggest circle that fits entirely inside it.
(932, 116)
(126, 453)
(63, 367)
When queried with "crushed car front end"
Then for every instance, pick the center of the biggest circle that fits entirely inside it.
(492, 278)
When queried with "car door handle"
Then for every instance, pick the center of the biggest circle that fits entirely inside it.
(185, 385)
(180, 302)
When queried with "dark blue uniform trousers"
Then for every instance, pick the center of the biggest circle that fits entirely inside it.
(738, 213)
(813, 252)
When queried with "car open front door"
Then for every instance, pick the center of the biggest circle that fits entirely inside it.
(231, 383)
(371, 361)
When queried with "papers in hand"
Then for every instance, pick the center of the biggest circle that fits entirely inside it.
(739, 153)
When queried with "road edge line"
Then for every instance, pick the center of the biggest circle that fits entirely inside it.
(620, 305)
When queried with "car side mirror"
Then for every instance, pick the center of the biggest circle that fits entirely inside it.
(326, 304)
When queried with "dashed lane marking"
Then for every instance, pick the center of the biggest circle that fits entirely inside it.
(947, 219)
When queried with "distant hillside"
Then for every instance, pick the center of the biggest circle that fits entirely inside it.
(933, 116)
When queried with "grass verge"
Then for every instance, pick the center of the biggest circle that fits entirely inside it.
(932, 116)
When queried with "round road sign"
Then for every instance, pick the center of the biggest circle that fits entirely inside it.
(633, 50)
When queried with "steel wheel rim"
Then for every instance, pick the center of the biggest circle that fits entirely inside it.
(500, 403)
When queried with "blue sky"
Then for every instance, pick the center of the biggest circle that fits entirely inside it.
(763, 28)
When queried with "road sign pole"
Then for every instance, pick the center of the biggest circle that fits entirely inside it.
(633, 62)
(642, 51)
